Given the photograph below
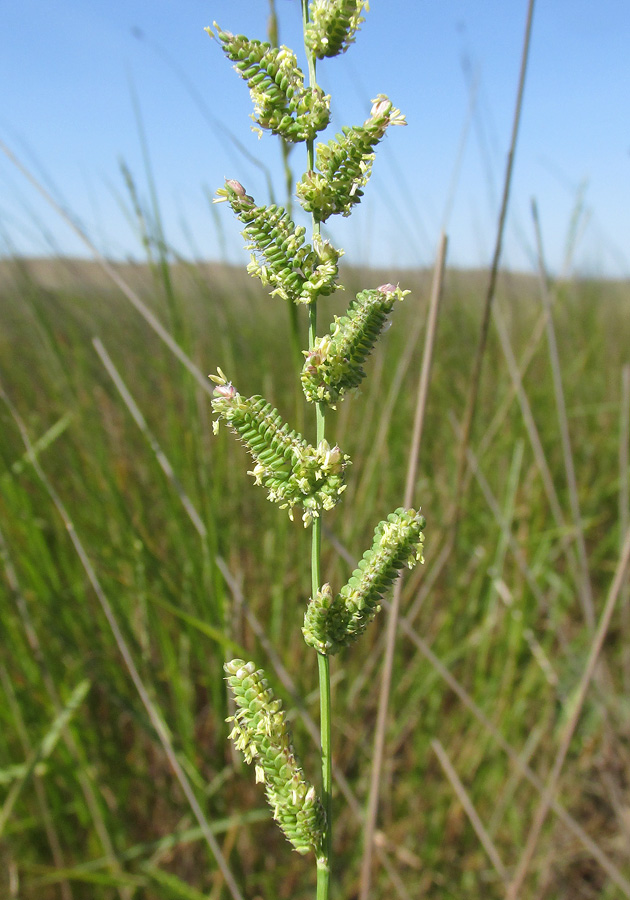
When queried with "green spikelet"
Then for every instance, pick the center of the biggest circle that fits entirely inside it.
(332, 25)
(296, 271)
(345, 163)
(334, 364)
(294, 472)
(332, 623)
(281, 102)
(261, 733)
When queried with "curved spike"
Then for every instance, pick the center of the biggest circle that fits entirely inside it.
(332, 25)
(261, 733)
(281, 102)
(294, 472)
(332, 623)
(335, 363)
(296, 271)
(344, 164)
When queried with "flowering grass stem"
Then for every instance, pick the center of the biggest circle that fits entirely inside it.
(323, 662)
(295, 473)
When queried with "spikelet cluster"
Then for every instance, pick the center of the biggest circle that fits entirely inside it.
(276, 83)
(334, 365)
(332, 623)
(260, 731)
(332, 25)
(345, 163)
(294, 472)
(294, 269)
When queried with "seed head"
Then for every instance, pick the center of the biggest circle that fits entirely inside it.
(261, 733)
(333, 622)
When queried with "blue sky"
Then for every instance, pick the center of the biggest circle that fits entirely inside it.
(79, 76)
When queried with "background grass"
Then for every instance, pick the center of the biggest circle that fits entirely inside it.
(99, 814)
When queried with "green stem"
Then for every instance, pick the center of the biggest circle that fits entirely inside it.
(323, 866)
(323, 663)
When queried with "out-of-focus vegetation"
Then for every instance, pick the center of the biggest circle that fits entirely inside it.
(99, 814)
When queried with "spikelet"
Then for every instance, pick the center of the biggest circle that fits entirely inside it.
(345, 163)
(260, 731)
(281, 102)
(296, 271)
(294, 472)
(334, 363)
(333, 25)
(331, 623)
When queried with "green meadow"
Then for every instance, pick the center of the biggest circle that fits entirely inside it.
(146, 542)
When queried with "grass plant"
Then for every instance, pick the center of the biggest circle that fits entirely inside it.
(294, 472)
(137, 559)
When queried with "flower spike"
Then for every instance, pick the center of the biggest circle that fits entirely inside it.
(261, 733)
(296, 271)
(332, 25)
(334, 364)
(281, 102)
(332, 623)
(294, 472)
(345, 164)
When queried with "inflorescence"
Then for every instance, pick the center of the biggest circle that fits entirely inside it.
(344, 164)
(297, 271)
(261, 733)
(294, 472)
(330, 622)
(276, 83)
(332, 26)
(334, 364)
